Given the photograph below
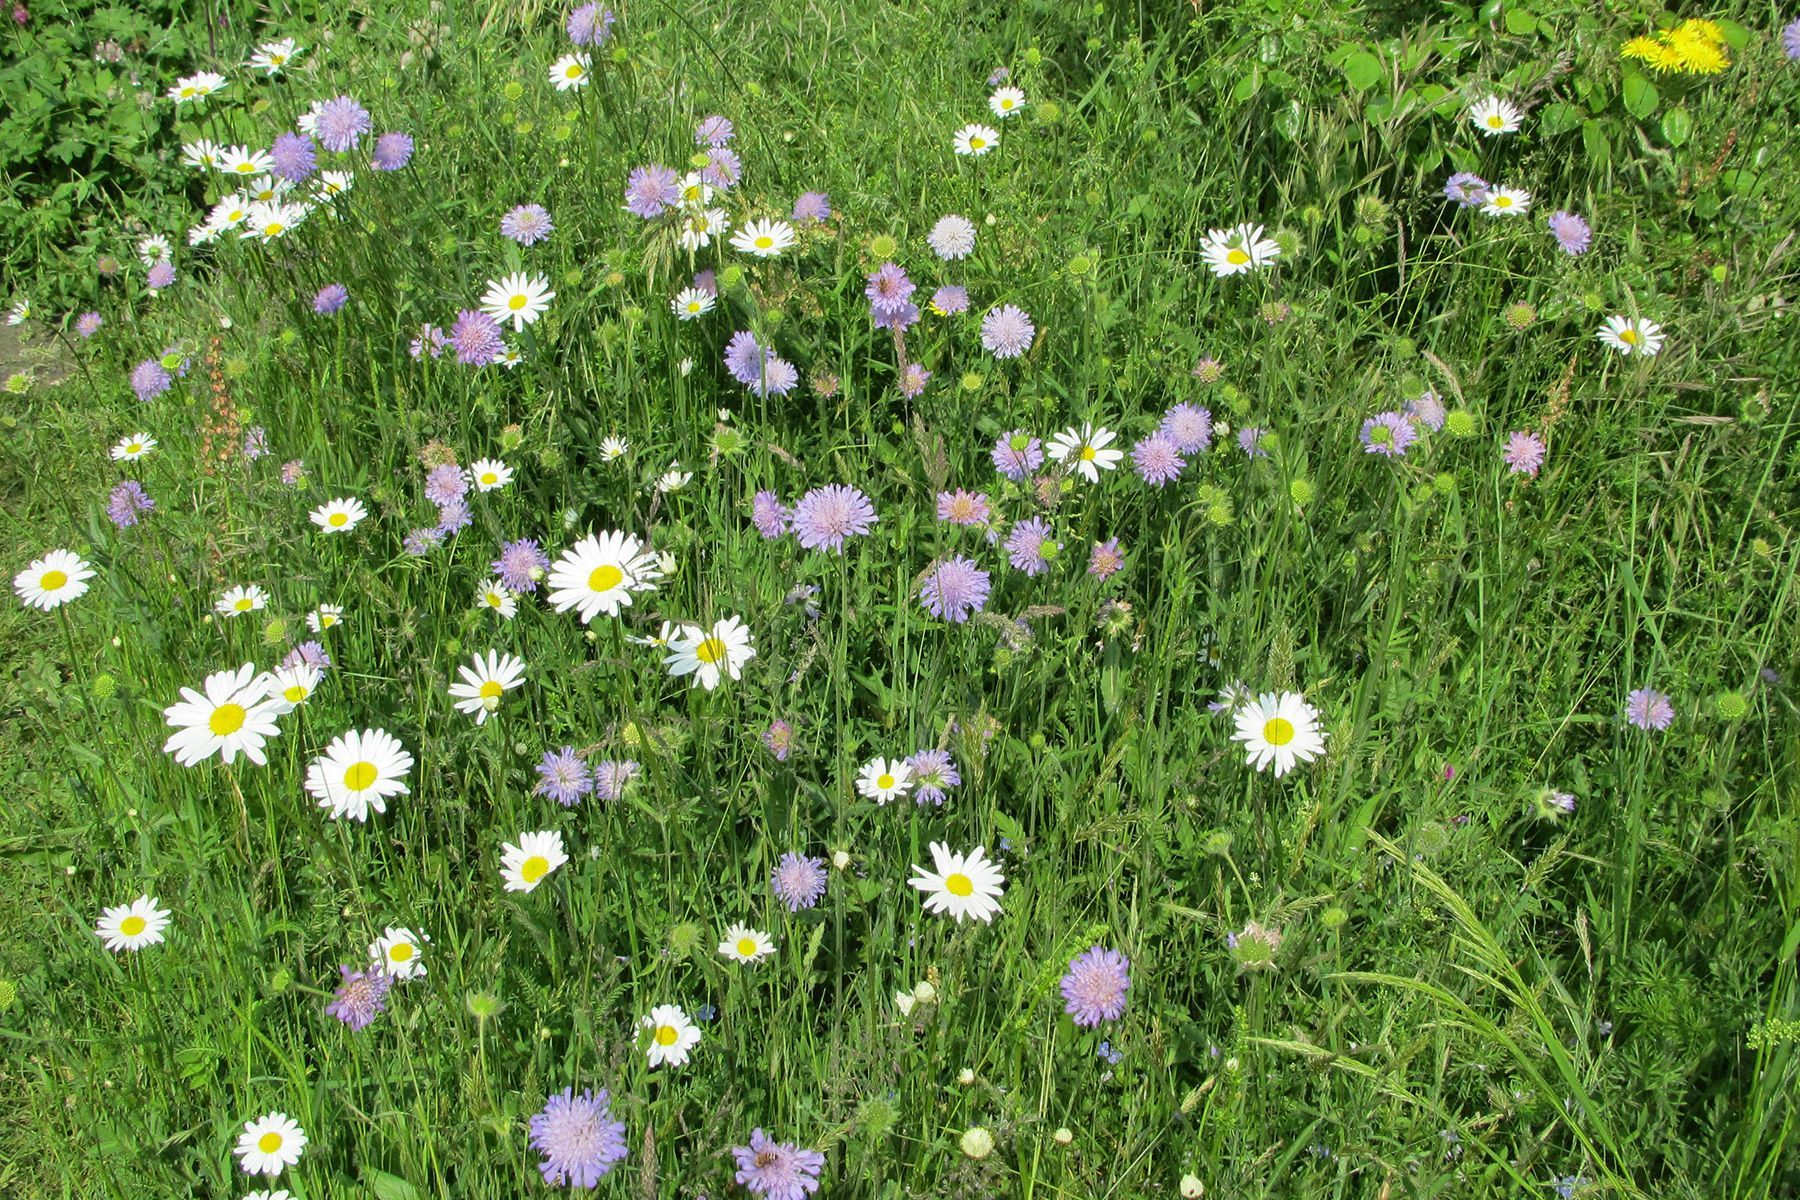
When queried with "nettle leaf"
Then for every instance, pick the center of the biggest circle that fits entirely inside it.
(1363, 70)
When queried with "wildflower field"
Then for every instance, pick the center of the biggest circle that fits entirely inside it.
(933, 601)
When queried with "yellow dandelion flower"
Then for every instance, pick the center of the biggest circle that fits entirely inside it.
(1653, 52)
(1698, 27)
(1697, 54)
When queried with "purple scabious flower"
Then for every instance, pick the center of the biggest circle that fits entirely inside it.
(798, 881)
(563, 777)
(1571, 232)
(611, 776)
(128, 499)
(341, 124)
(963, 507)
(902, 318)
(1388, 433)
(827, 515)
(714, 131)
(160, 275)
(950, 299)
(1189, 426)
(88, 324)
(453, 517)
(1106, 559)
(292, 472)
(953, 237)
(308, 654)
(933, 771)
(779, 378)
(771, 517)
(1649, 709)
(1029, 547)
(392, 151)
(590, 25)
(1524, 452)
(1094, 987)
(527, 224)
(423, 541)
(1428, 410)
(256, 443)
(521, 565)
(1466, 188)
(745, 358)
(445, 483)
(723, 168)
(1007, 331)
(1157, 459)
(578, 1137)
(1790, 40)
(149, 380)
(430, 341)
(476, 338)
(360, 997)
(954, 589)
(889, 289)
(330, 298)
(293, 157)
(1017, 454)
(707, 281)
(913, 379)
(651, 190)
(777, 1170)
(812, 206)
(779, 738)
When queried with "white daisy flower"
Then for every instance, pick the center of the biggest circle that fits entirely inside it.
(230, 212)
(266, 189)
(963, 885)
(672, 1035)
(884, 779)
(673, 479)
(613, 448)
(764, 239)
(690, 303)
(746, 945)
(485, 680)
(709, 655)
(231, 714)
(272, 57)
(698, 229)
(600, 575)
(266, 222)
(518, 298)
(201, 154)
(1238, 250)
(1506, 202)
(524, 866)
(190, 89)
(332, 184)
(132, 448)
(693, 191)
(510, 356)
(270, 1144)
(490, 474)
(241, 160)
(1632, 335)
(976, 139)
(290, 687)
(153, 249)
(1494, 116)
(55, 579)
(399, 952)
(570, 72)
(497, 596)
(358, 772)
(132, 926)
(324, 617)
(1087, 449)
(1006, 102)
(661, 637)
(340, 515)
(19, 313)
(237, 601)
(1283, 730)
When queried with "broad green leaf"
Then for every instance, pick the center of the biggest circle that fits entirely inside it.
(1639, 95)
(1362, 70)
(1677, 126)
(1520, 22)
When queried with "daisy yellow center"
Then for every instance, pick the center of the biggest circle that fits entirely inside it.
(1278, 731)
(746, 947)
(294, 694)
(1089, 454)
(1629, 336)
(226, 719)
(1006, 104)
(489, 477)
(132, 926)
(605, 578)
(764, 242)
(1502, 201)
(340, 518)
(494, 600)
(269, 1142)
(135, 448)
(243, 604)
(693, 306)
(959, 885)
(273, 229)
(574, 70)
(53, 580)
(1495, 121)
(245, 168)
(976, 143)
(359, 776)
(667, 1035)
(327, 621)
(534, 868)
(1236, 257)
(712, 650)
(516, 303)
(402, 952)
(885, 782)
(491, 689)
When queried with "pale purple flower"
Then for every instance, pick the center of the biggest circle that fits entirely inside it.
(430, 341)
(1017, 454)
(88, 324)
(1249, 440)
(444, 483)
(590, 25)
(527, 224)
(1388, 433)
(563, 777)
(998, 76)
(1189, 426)
(578, 1137)
(777, 1170)
(1106, 559)
(392, 151)
(722, 169)
(292, 472)
(160, 275)
(707, 281)
(1427, 409)
(341, 124)
(149, 380)
(476, 338)
(963, 507)
(1208, 369)
(1030, 547)
(902, 318)
(421, 542)
(308, 654)
(521, 565)
(1095, 985)
(779, 738)
(714, 131)
(611, 777)
(1790, 40)
(128, 499)
(293, 157)
(797, 881)
(331, 298)
(953, 237)
(779, 378)
(1571, 232)
(744, 357)
(950, 299)
(1466, 189)
(889, 288)
(812, 206)
(1524, 452)
(1649, 709)
(933, 771)
(256, 443)
(1157, 460)
(913, 378)
(453, 517)
(954, 589)
(360, 997)
(650, 190)
(771, 517)
(1007, 331)
(827, 515)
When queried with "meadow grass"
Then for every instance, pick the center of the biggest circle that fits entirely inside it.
(1401, 969)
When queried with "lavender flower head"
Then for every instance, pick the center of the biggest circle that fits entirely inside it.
(308, 654)
(1189, 426)
(950, 299)
(953, 237)
(445, 483)
(1790, 40)
(1007, 331)
(128, 499)
(714, 131)
(1389, 434)
(430, 341)
(1428, 409)
(476, 338)
(1017, 454)
(889, 289)
(812, 206)
(1649, 709)
(392, 151)
(954, 589)
(771, 517)
(1524, 452)
(330, 298)
(160, 275)
(293, 157)
(651, 190)
(827, 515)
(1030, 547)
(256, 443)
(423, 541)
(563, 777)
(1106, 559)
(1095, 985)
(360, 997)
(913, 379)
(292, 472)
(1157, 460)
(521, 565)
(777, 1170)
(934, 771)
(901, 319)
(591, 25)
(779, 738)
(341, 124)
(722, 169)
(1466, 189)
(611, 776)
(797, 881)
(963, 507)
(454, 516)
(88, 324)
(527, 224)
(1571, 232)
(1249, 440)
(578, 1138)
(149, 380)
